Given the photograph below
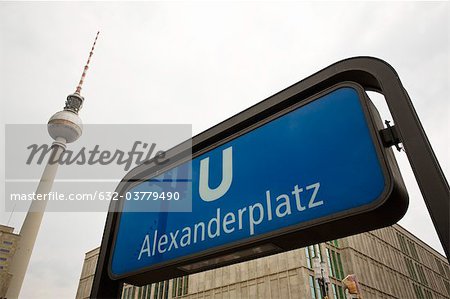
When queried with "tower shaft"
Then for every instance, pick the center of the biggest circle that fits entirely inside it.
(32, 223)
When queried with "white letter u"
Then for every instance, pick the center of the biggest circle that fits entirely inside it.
(208, 194)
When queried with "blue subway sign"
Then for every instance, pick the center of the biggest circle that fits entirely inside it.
(312, 170)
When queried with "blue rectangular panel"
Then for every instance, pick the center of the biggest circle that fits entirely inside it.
(311, 164)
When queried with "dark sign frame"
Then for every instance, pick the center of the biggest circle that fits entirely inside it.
(371, 74)
(387, 209)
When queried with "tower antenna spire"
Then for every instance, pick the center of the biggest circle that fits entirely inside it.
(86, 67)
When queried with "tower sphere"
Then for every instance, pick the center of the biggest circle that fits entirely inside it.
(65, 124)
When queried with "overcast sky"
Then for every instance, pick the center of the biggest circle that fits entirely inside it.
(200, 63)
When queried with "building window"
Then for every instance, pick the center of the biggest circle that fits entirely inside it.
(418, 291)
(447, 271)
(144, 292)
(4, 250)
(422, 277)
(132, 292)
(7, 242)
(428, 294)
(341, 292)
(180, 286)
(311, 252)
(341, 269)
(411, 270)
(161, 290)
(174, 287)
(412, 249)
(166, 289)
(2, 258)
(319, 251)
(335, 294)
(128, 292)
(335, 268)
(314, 295)
(330, 264)
(338, 292)
(447, 285)
(334, 243)
(403, 247)
(440, 267)
(308, 258)
(140, 289)
(155, 294)
(185, 285)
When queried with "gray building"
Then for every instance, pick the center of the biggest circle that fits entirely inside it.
(8, 245)
(87, 273)
(389, 263)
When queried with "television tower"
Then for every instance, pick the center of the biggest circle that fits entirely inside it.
(64, 127)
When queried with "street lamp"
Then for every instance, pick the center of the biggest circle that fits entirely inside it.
(321, 275)
(64, 127)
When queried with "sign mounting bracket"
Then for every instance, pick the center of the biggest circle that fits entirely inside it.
(390, 136)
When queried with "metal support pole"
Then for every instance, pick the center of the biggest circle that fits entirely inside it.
(375, 74)
(103, 287)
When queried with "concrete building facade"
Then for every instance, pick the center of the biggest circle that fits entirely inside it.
(389, 263)
(8, 245)
(87, 274)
